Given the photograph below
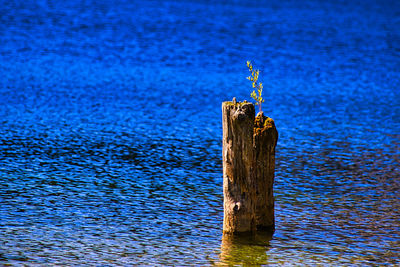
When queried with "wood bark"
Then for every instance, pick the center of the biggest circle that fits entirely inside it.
(265, 139)
(248, 154)
(238, 158)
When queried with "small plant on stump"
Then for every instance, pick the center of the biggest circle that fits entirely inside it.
(256, 85)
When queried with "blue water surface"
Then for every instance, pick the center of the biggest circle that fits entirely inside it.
(110, 130)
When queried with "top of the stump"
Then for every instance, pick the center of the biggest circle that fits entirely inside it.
(262, 123)
(235, 103)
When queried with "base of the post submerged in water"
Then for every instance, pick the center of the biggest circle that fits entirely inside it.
(248, 168)
(240, 249)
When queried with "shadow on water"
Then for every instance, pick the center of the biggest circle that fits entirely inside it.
(245, 249)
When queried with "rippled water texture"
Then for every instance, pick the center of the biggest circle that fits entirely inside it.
(110, 130)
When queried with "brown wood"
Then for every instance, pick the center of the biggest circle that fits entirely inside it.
(248, 154)
(264, 141)
(238, 158)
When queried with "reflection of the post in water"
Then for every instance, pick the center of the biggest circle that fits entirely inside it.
(245, 249)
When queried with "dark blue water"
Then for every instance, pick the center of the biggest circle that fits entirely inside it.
(110, 130)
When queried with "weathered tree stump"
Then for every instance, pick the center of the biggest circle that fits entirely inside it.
(265, 139)
(238, 158)
(248, 168)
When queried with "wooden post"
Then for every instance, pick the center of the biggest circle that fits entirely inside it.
(238, 158)
(248, 154)
(264, 141)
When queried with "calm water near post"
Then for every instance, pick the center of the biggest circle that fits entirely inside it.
(110, 130)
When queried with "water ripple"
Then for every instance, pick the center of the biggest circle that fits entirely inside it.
(110, 130)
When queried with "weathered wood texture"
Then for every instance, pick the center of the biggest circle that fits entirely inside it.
(238, 158)
(265, 139)
(248, 168)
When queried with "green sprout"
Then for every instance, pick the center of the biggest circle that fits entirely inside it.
(257, 85)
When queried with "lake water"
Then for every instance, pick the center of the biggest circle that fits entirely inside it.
(110, 130)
